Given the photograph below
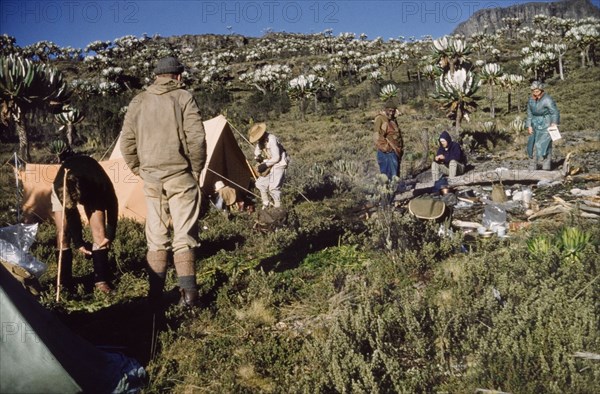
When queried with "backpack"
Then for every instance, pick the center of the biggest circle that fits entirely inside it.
(427, 208)
(271, 218)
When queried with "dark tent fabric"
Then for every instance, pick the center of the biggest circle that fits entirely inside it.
(39, 354)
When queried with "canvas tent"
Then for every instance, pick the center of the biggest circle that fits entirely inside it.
(39, 354)
(225, 161)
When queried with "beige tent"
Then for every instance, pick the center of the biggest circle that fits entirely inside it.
(225, 161)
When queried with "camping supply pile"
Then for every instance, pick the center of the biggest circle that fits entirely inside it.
(498, 210)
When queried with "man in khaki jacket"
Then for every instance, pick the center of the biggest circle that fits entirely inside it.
(388, 140)
(163, 141)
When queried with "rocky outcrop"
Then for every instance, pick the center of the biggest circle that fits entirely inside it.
(492, 17)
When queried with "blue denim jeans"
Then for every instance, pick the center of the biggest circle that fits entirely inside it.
(388, 164)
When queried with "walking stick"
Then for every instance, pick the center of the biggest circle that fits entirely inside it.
(19, 200)
(61, 236)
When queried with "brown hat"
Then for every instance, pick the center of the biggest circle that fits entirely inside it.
(391, 103)
(257, 131)
(168, 65)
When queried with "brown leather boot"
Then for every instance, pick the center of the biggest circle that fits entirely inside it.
(189, 298)
(186, 275)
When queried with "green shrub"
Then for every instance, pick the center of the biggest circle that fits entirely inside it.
(531, 346)
(261, 107)
(510, 323)
(213, 102)
(572, 242)
(129, 246)
(390, 229)
(368, 346)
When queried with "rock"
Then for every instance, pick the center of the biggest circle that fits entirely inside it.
(492, 17)
(587, 193)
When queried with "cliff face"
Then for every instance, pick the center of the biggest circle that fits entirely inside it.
(572, 9)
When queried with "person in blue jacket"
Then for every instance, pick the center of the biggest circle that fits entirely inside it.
(449, 158)
(542, 113)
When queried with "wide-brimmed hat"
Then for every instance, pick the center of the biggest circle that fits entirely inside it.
(256, 132)
(219, 185)
(537, 85)
(168, 65)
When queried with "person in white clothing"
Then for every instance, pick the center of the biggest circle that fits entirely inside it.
(272, 162)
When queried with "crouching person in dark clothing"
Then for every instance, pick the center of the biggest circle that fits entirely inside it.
(87, 184)
(449, 159)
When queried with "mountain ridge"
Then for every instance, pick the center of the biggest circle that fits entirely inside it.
(490, 19)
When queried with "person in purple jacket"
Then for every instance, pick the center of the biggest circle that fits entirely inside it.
(449, 158)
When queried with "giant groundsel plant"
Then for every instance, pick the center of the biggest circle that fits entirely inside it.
(456, 92)
(25, 85)
(68, 118)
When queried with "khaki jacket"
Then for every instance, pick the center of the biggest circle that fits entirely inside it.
(386, 135)
(229, 195)
(163, 135)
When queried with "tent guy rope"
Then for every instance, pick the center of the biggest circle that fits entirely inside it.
(229, 180)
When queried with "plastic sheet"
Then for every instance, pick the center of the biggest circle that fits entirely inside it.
(20, 235)
(15, 242)
(494, 216)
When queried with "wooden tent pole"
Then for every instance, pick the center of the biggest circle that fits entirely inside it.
(61, 235)
(251, 169)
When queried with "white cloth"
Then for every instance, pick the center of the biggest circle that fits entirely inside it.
(270, 185)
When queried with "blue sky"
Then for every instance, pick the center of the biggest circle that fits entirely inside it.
(76, 23)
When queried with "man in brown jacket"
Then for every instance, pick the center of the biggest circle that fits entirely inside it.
(388, 140)
(163, 141)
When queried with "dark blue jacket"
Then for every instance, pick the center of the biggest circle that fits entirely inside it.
(453, 152)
